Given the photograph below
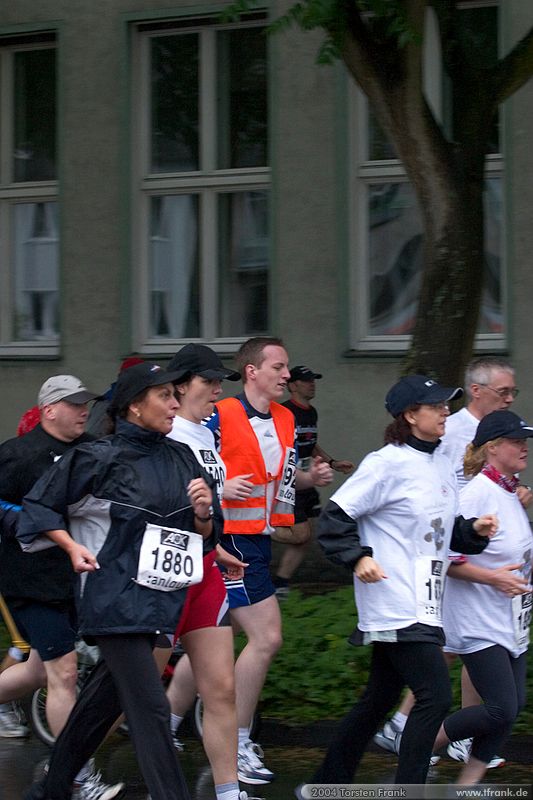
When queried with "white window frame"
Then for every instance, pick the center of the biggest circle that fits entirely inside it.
(11, 193)
(206, 183)
(363, 172)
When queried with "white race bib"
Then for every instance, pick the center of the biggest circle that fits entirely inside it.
(429, 578)
(169, 559)
(521, 605)
(287, 485)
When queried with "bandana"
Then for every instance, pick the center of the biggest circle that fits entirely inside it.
(509, 484)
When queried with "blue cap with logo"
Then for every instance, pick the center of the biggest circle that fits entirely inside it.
(415, 390)
(501, 424)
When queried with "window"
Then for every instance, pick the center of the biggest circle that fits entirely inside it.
(29, 230)
(386, 228)
(201, 219)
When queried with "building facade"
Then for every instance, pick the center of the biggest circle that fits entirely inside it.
(167, 176)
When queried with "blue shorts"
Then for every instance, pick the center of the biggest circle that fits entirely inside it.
(51, 630)
(255, 550)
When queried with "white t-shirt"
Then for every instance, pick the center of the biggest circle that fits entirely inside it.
(271, 450)
(460, 430)
(202, 442)
(476, 615)
(405, 503)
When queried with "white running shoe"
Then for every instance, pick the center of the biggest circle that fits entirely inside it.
(250, 767)
(12, 723)
(246, 796)
(434, 760)
(386, 737)
(460, 750)
(95, 789)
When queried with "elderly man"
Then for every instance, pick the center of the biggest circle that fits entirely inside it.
(38, 587)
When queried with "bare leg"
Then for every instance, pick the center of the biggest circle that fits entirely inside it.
(261, 622)
(22, 678)
(211, 655)
(62, 674)
(182, 689)
(469, 696)
(473, 771)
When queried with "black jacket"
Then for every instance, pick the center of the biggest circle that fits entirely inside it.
(45, 576)
(104, 493)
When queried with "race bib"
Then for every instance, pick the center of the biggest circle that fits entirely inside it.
(169, 559)
(429, 578)
(287, 485)
(521, 608)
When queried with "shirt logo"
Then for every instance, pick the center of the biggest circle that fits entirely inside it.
(175, 539)
(208, 457)
(437, 534)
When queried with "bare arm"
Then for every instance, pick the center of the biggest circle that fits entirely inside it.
(503, 578)
(81, 558)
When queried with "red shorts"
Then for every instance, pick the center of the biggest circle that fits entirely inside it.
(206, 604)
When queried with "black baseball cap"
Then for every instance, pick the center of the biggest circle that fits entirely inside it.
(198, 359)
(301, 373)
(501, 425)
(414, 390)
(131, 382)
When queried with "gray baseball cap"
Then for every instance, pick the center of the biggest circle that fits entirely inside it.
(64, 387)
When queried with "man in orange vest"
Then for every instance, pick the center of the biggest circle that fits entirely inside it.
(256, 442)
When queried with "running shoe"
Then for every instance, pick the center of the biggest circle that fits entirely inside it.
(178, 744)
(250, 767)
(246, 796)
(12, 722)
(386, 737)
(95, 789)
(282, 592)
(433, 760)
(460, 750)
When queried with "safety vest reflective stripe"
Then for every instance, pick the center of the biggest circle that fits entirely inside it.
(282, 508)
(258, 491)
(245, 513)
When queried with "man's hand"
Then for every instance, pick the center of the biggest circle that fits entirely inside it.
(342, 466)
(234, 568)
(368, 570)
(239, 487)
(487, 525)
(320, 472)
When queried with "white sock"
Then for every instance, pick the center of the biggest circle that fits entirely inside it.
(244, 736)
(227, 791)
(175, 722)
(399, 720)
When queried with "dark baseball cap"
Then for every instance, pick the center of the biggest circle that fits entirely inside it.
(301, 373)
(414, 390)
(198, 359)
(501, 425)
(131, 382)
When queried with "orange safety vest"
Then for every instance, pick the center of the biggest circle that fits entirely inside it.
(242, 455)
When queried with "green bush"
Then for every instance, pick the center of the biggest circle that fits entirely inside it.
(318, 675)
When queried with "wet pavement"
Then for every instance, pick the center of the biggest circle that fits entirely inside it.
(20, 759)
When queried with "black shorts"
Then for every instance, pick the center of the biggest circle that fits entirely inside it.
(307, 505)
(51, 630)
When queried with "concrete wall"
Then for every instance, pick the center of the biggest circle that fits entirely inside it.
(310, 305)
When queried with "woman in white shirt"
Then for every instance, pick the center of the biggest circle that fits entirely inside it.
(488, 599)
(205, 629)
(391, 523)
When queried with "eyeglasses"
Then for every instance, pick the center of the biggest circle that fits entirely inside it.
(506, 392)
(440, 407)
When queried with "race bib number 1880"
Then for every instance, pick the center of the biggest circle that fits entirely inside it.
(169, 559)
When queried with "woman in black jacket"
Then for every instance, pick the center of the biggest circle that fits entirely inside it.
(132, 511)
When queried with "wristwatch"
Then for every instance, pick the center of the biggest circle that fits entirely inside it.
(210, 515)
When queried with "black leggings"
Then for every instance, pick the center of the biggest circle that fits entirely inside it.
(500, 681)
(420, 666)
(125, 679)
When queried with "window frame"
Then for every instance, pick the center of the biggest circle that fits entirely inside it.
(206, 183)
(364, 171)
(14, 192)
